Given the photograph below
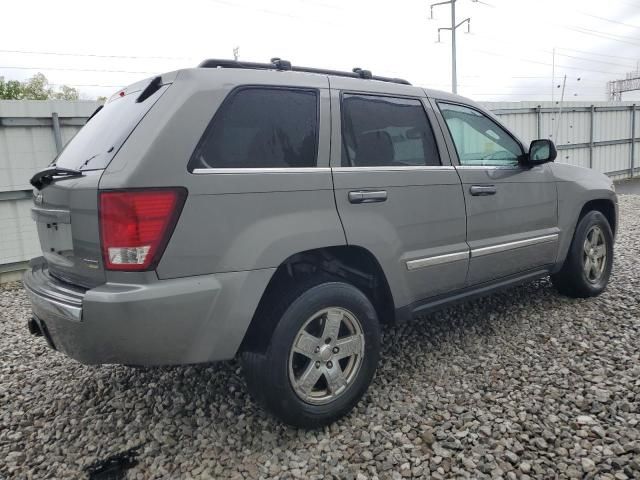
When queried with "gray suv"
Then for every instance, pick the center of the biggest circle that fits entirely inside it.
(282, 214)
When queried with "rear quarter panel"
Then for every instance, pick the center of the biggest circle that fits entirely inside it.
(230, 221)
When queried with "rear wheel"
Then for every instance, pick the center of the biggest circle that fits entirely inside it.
(321, 357)
(588, 265)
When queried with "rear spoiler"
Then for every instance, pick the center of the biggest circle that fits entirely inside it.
(146, 87)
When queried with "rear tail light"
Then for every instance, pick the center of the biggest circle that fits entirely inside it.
(135, 226)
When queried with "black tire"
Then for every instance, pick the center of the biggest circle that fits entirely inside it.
(268, 373)
(572, 280)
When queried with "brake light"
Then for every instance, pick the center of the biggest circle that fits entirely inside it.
(135, 226)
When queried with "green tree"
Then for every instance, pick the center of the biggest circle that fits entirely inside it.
(66, 93)
(36, 88)
(11, 90)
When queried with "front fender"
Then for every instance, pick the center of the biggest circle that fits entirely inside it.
(578, 186)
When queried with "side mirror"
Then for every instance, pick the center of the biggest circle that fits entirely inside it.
(541, 151)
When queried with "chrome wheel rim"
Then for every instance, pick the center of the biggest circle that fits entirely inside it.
(326, 355)
(594, 254)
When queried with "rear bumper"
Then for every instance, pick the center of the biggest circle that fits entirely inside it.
(167, 322)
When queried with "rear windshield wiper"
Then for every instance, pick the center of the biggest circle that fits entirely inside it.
(45, 177)
(94, 113)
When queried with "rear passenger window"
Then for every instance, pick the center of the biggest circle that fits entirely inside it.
(385, 131)
(261, 127)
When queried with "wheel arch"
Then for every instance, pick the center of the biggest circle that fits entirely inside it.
(606, 206)
(603, 205)
(354, 264)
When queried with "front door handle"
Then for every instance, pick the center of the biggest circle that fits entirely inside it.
(482, 190)
(367, 196)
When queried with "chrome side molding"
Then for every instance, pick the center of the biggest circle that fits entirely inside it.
(209, 171)
(437, 260)
(501, 247)
(478, 252)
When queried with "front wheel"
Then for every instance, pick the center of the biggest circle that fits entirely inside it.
(587, 268)
(321, 357)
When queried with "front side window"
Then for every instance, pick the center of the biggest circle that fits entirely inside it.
(478, 139)
(262, 127)
(385, 131)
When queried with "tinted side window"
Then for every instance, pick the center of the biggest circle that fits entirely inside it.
(478, 139)
(385, 131)
(261, 128)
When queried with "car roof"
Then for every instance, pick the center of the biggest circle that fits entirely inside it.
(357, 80)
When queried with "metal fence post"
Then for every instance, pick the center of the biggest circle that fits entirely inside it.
(539, 121)
(592, 114)
(55, 121)
(633, 138)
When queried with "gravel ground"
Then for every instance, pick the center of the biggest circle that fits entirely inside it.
(523, 384)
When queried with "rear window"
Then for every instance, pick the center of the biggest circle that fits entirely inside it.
(99, 140)
(260, 127)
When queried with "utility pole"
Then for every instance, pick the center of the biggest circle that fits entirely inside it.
(564, 84)
(453, 28)
(553, 73)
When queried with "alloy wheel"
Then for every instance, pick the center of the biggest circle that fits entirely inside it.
(594, 254)
(326, 355)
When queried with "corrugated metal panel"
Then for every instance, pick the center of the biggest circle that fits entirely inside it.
(612, 158)
(17, 231)
(26, 149)
(572, 125)
(524, 125)
(23, 151)
(612, 125)
(575, 156)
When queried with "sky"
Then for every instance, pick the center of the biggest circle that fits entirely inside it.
(99, 46)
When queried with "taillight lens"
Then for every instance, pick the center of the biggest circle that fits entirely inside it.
(135, 226)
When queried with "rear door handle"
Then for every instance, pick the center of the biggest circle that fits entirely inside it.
(482, 190)
(367, 196)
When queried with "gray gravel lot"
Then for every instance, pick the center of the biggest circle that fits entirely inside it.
(523, 384)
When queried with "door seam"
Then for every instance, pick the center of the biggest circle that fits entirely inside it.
(331, 146)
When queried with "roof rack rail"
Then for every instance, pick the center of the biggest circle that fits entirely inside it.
(284, 65)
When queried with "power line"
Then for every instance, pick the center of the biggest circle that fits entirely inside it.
(528, 76)
(599, 34)
(587, 31)
(591, 60)
(634, 59)
(543, 63)
(634, 5)
(269, 12)
(493, 39)
(85, 85)
(609, 20)
(67, 69)
(66, 54)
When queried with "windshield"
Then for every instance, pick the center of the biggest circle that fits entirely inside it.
(99, 140)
